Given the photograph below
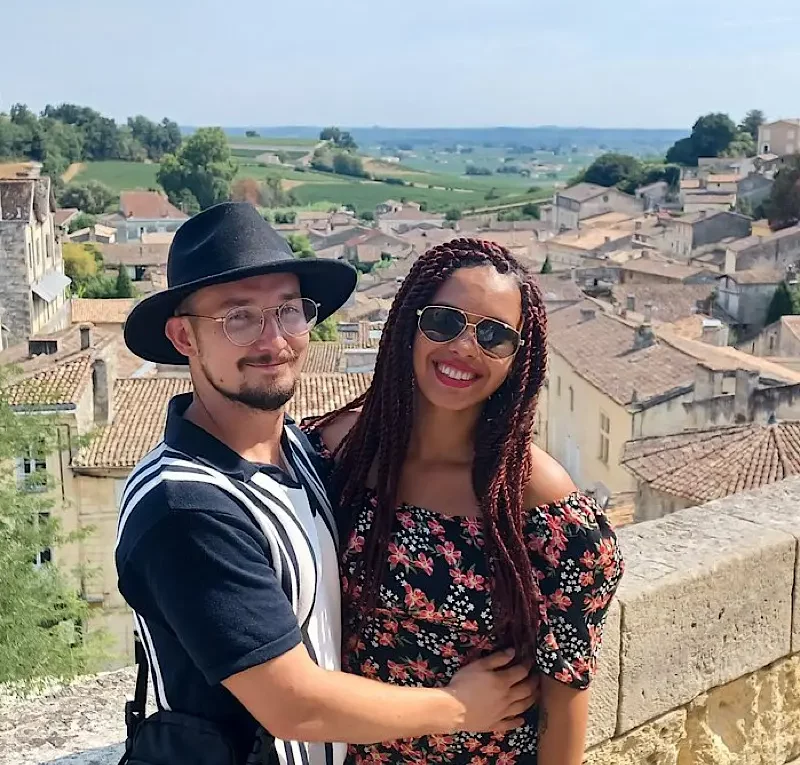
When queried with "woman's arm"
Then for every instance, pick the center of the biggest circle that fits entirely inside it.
(563, 716)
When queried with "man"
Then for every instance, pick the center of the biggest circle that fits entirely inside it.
(226, 549)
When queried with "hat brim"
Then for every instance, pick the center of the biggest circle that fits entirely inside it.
(329, 283)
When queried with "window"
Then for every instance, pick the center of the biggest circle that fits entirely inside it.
(31, 471)
(571, 399)
(605, 435)
(46, 555)
(558, 386)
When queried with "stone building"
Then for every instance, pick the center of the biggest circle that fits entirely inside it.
(587, 200)
(32, 280)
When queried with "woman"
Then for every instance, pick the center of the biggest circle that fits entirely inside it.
(463, 537)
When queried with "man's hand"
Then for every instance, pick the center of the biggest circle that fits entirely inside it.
(494, 692)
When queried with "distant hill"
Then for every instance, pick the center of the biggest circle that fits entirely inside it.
(544, 138)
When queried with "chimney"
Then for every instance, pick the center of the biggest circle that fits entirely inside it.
(730, 261)
(648, 314)
(104, 374)
(746, 385)
(644, 337)
(86, 336)
(707, 383)
(630, 303)
(714, 333)
(587, 314)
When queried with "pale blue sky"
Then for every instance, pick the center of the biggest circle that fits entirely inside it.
(604, 63)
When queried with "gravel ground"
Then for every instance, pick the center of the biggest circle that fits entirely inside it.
(78, 724)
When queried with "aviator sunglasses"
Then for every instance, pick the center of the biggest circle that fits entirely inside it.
(443, 324)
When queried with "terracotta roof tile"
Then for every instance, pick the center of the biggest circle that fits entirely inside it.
(140, 407)
(670, 302)
(60, 384)
(148, 205)
(323, 357)
(96, 311)
(676, 271)
(708, 464)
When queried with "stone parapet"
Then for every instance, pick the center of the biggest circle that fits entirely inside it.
(700, 661)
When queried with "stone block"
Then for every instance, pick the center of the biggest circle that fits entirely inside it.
(706, 598)
(656, 743)
(775, 507)
(605, 687)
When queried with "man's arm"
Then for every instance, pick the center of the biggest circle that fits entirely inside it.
(563, 717)
(208, 577)
(295, 699)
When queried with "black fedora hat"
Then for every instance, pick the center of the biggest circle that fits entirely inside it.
(225, 243)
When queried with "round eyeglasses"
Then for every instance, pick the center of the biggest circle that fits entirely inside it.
(243, 325)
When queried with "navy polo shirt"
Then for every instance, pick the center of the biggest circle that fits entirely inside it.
(227, 565)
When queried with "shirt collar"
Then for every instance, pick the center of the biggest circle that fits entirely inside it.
(190, 439)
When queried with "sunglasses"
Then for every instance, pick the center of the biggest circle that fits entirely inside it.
(443, 324)
(244, 325)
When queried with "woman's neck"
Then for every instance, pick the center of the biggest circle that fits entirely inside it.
(442, 435)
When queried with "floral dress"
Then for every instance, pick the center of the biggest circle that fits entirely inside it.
(434, 614)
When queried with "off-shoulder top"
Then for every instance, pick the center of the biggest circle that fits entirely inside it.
(434, 612)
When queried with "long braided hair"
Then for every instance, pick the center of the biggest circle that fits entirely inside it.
(502, 464)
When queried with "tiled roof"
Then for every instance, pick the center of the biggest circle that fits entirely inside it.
(140, 410)
(63, 216)
(792, 325)
(724, 178)
(581, 192)
(97, 311)
(676, 271)
(601, 350)
(670, 302)
(135, 254)
(411, 213)
(708, 464)
(591, 238)
(556, 289)
(690, 183)
(757, 276)
(323, 357)
(62, 383)
(148, 205)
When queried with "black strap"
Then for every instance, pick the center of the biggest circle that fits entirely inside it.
(135, 710)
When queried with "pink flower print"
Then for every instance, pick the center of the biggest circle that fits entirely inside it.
(406, 521)
(398, 555)
(423, 563)
(397, 671)
(449, 552)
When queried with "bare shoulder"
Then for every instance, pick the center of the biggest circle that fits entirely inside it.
(336, 431)
(549, 481)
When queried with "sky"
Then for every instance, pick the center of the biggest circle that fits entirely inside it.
(417, 63)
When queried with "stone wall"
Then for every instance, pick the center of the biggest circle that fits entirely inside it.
(700, 662)
(14, 280)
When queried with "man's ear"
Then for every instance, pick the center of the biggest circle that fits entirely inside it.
(181, 334)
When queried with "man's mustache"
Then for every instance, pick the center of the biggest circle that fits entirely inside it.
(267, 358)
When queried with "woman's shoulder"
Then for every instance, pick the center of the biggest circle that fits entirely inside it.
(327, 436)
(556, 505)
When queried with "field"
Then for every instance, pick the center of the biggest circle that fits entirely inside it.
(275, 143)
(120, 175)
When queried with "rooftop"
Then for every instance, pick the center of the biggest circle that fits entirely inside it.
(724, 178)
(16, 199)
(702, 465)
(97, 311)
(140, 407)
(410, 213)
(581, 192)
(663, 268)
(556, 289)
(148, 205)
(757, 276)
(670, 302)
(60, 385)
(62, 217)
(135, 254)
(590, 239)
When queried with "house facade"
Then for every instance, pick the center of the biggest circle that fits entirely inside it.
(144, 212)
(32, 280)
(781, 137)
(684, 235)
(745, 296)
(587, 200)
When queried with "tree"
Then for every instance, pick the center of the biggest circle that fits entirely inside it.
(124, 285)
(301, 246)
(785, 302)
(348, 164)
(753, 120)
(339, 138)
(783, 206)
(546, 267)
(41, 613)
(477, 170)
(612, 169)
(453, 214)
(157, 139)
(80, 264)
(251, 133)
(367, 215)
(81, 221)
(711, 135)
(743, 145)
(326, 331)
(92, 197)
(247, 190)
(202, 166)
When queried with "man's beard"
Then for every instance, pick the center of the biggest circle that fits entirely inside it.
(267, 399)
